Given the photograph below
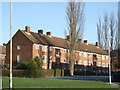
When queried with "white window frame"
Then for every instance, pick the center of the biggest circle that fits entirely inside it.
(85, 63)
(37, 46)
(50, 48)
(80, 61)
(18, 58)
(107, 57)
(44, 48)
(85, 54)
(65, 60)
(50, 57)
(103, 64)
(103, 57)
(64, 50)
(106, 64)
(44, 60)
(18, 47)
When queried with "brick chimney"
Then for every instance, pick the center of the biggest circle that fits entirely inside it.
(40, 31)
(97, 44)
(79, 40)
(86, 42)
(68, 37)
(48, 33)
(27, 29)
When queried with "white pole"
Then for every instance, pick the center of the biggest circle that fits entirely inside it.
(10, 44)
(109, 62)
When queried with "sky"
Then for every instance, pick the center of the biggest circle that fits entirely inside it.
(50, 16)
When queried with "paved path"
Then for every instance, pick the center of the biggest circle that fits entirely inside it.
(91, 78)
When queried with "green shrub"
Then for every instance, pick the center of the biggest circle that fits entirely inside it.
(34, 67)
(22, 66)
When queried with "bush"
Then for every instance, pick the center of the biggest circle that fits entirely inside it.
(22, 66)
(34, 67)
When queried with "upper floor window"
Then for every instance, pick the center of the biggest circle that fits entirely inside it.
(85, 54)
(98, 56)
(103, 57)
(44, 59)
(50, 48)
(64, 50)
(106, 57)
(18, 58)
(37, 46)
(44, 48)
(18, 47)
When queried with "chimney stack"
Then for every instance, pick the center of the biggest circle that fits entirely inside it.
(68, 37)
(97, 44)
(40, 31)
(48, 33)
(86, 42)
(27, 29)
(79, 40)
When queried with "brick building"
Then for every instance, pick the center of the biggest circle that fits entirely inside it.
(2, 54)
(53, 51)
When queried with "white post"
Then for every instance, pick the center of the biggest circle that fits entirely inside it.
(109, 61)
(10, 44)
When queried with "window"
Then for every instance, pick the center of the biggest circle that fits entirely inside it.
(103, 64)
(80, 53)
(106, 64)
(65, 60)
(44, 48)
(103, 57)
(68, 61)
(80, 61)
(44, 59)
(18, 47)
(99, 63)
(64, 50)
(98, 56)
(18, 58)
(50, 48)
(50, 58)
(85, 63)
(106, 57)
(37, 46)
(44, 67)
(85, 54)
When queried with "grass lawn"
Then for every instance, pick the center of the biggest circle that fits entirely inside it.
(53, 83)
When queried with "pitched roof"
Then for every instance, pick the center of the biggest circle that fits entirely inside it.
(2, 49)
(60, 42)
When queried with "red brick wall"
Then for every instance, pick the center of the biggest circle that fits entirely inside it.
(26, 48)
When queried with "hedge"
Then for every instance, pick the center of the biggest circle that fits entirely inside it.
(44, 73)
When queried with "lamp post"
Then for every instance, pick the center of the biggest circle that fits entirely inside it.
(108, 42)
(10, 44)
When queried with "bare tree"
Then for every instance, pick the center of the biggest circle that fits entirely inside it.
(107, 26)
(75, 20)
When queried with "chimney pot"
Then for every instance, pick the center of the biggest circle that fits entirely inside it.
(86, 41)
(79, 40)
(27, 29)
(48, 33)
(97, 44)
(68, 37)
(40, 31)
